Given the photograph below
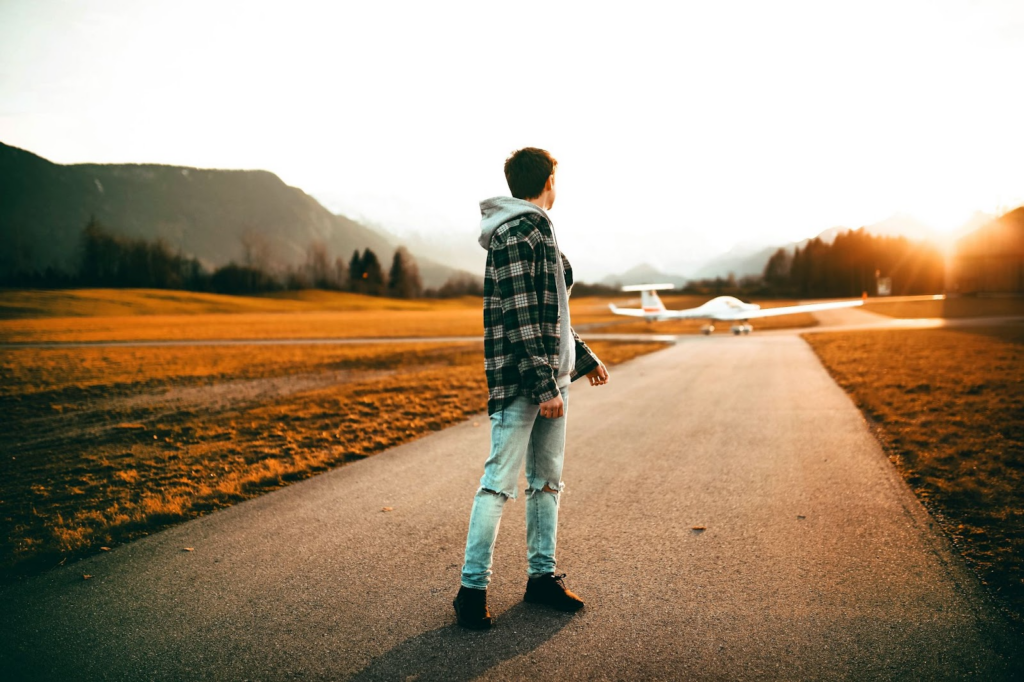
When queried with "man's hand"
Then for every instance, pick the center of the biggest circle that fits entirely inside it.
(599, 376)
(552, 409)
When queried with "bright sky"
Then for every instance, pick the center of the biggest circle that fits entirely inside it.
(681, 128)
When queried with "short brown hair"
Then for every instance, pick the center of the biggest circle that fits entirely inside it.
(527, 171)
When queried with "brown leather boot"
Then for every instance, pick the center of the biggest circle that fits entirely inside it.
(550, 590)
(471, 608)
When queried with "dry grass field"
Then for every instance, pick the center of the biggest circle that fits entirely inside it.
(34, 303)
(949, 408)
(247, 326)
(140, 315)
(98, 315)
(949, 308)
(101, 445)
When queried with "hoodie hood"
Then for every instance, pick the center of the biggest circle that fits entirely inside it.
(497, 211)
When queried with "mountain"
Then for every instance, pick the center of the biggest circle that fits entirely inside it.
(643, 274)
(421, 230)
(204, 213)
(896, 225)
(828, 236)
(1000, 238)
(742, 260)
(977, 219)
(990, 260)
(902, 225)
(458, 249)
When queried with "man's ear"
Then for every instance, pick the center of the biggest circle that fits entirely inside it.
(550, 183)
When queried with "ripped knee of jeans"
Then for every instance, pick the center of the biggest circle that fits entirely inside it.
(548, 488)
(498, 493)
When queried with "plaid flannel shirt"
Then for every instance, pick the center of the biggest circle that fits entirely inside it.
(521, 320)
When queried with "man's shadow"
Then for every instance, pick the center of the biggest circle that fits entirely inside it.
(454, 653)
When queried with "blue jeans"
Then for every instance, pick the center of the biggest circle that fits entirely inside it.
(518, 433)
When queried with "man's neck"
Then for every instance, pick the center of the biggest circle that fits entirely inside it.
(542, 201)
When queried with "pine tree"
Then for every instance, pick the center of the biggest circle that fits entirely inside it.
(776, 272)
(355, 272)
(372, 274)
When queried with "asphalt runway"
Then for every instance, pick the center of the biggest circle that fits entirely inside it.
(815, 561)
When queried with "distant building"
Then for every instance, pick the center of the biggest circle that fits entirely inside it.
(990, 260)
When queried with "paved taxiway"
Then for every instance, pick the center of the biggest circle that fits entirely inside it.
(816, 562)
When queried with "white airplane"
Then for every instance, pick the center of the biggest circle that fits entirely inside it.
(720, 309)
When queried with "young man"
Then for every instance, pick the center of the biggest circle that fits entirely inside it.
(531, 354)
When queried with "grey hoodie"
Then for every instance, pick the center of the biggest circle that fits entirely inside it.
(494, 213)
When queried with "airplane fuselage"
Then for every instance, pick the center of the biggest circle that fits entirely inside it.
(725, 307)
(718, 308)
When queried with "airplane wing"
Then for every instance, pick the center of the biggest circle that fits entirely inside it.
(786, 310)
(629, 312)
(689, 314)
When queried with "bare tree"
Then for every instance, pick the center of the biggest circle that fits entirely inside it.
(255, 250)
(318, 265)
(340, 273)
(460, 284)
(404, 277)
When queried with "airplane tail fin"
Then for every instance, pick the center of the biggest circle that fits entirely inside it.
(649, 298)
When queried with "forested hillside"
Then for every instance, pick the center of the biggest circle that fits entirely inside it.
(216, 216)
(852, 264)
